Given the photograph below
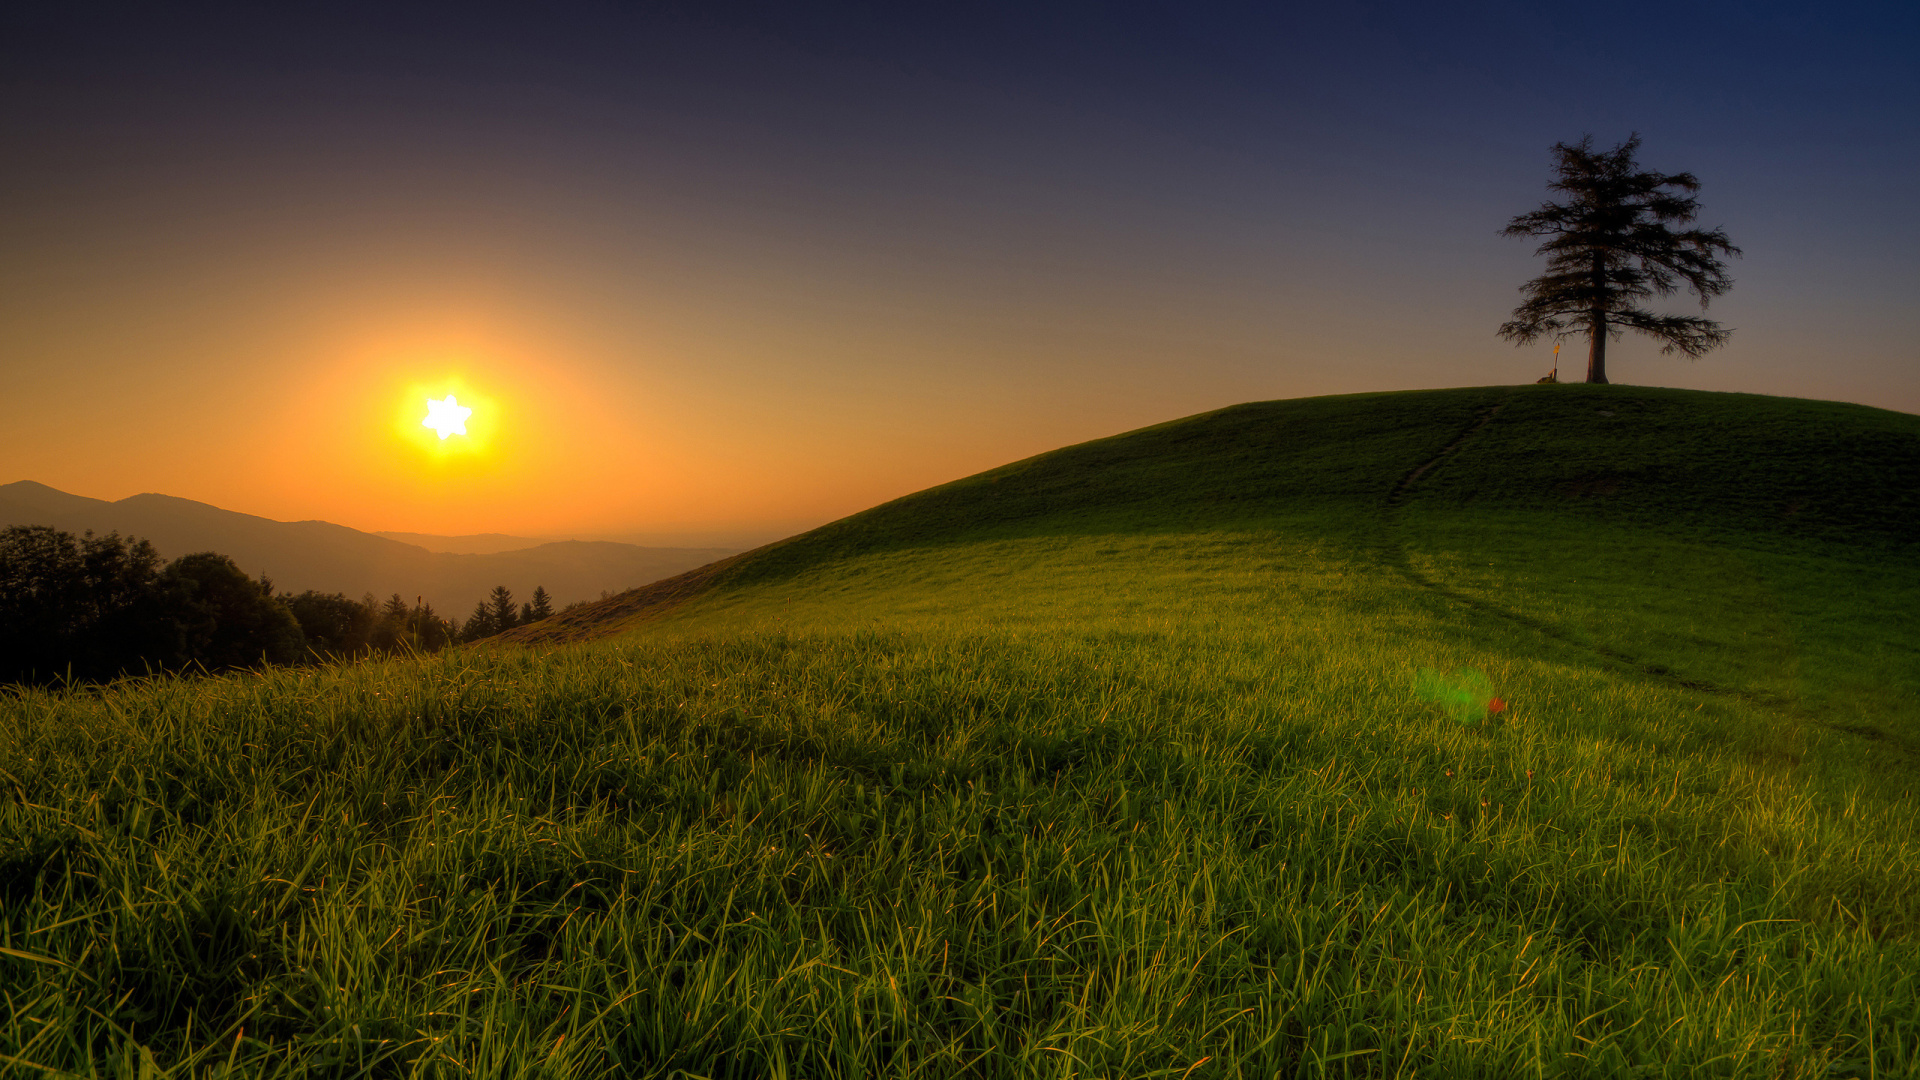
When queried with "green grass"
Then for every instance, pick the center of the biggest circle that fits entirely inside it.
(1108, 763)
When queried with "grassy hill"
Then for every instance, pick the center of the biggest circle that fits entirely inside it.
(1537, 731)
(1728, 541)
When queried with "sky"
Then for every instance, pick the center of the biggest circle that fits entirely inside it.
(713, 273)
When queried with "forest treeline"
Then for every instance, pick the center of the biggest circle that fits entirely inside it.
(98, 607)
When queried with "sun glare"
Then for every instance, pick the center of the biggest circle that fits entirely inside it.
(447, 417)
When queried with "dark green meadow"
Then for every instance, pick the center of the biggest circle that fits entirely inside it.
(1113, 762)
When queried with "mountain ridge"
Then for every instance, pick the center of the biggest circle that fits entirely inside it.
(322, 555)
(470, 543)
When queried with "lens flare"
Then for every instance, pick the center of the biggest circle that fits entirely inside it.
(1466, 695)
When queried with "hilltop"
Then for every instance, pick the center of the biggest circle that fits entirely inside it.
(1749, 471)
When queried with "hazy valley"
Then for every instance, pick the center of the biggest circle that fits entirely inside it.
(451, 573)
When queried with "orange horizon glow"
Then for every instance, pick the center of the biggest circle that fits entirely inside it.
(537, 434)
(300, 396)
(572, 433)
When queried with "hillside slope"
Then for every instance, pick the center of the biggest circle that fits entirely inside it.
(1757, 547)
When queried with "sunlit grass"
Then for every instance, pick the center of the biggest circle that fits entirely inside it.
(997, 850)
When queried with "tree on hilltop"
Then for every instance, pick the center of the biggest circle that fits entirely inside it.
(1612, 245)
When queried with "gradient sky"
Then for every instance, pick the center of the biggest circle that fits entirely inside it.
(715, 273)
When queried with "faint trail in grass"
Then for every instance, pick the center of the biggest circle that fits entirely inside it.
(1406, 483)
(1397, 555)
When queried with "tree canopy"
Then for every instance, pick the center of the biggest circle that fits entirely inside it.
(98, 607)
(229, 620)
(1612, 245)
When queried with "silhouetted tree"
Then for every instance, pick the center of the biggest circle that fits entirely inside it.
(392, 631)
(226, 620)
(1610, 246)
(99, 607)
(430, 632)
(500, 605)
(396, 609)
(479, 624)
(74, 606)
(333, 624)
(541, 607)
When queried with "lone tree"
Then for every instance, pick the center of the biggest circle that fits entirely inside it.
(1612, 245)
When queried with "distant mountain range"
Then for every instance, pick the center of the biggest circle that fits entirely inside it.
(470, 544)
(301, 555)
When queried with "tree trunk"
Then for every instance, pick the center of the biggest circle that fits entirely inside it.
(1597, 324)
(1597, 347)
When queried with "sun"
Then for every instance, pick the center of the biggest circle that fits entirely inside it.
(461, 425)
(447, 417)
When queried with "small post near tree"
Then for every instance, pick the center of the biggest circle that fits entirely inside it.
(1613, 244)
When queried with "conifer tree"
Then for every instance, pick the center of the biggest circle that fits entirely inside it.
(505, 615)
(392, 630)
(479, 624)
(1612, 245)
(541, 607)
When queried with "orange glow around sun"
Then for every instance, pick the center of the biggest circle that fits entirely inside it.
(537, 444)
